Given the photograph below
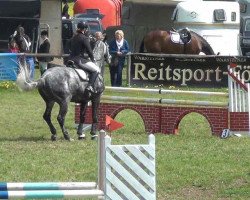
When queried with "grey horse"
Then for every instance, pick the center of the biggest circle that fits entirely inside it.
(62, 85)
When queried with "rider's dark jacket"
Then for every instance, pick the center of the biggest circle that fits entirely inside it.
(80, 45)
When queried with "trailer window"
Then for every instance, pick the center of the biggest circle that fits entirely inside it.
(219, 15)
(67, 31)
(233, 16)
(247, 26)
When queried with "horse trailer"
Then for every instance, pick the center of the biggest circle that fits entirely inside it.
(217, 21)
(141, 16)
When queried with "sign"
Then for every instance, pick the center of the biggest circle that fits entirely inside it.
(184, 70)
(8, 66)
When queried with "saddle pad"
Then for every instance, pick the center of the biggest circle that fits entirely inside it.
(82, 74)
(175, 37)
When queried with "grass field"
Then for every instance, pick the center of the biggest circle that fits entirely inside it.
(192, 165)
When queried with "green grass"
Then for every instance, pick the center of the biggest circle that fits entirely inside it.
(191, 165)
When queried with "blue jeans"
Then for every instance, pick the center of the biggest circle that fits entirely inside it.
(116, 75)
(31, 66)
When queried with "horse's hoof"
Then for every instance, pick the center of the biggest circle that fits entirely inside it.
(81, 137)
(53, 138)
(70, 139)
(66, 137)
(94, 137)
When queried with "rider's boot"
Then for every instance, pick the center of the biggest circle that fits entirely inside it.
(92, 78)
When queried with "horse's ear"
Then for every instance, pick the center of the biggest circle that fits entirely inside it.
(173, 29)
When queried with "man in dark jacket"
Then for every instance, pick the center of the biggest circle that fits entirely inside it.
(44, 48)
(81, 53)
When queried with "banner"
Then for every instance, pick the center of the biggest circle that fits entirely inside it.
(179, 70)
(8, 66)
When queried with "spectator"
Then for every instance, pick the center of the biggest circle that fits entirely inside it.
(44, 48)
(12, 45)
(24, 45)
(65, 10)
(118, 48)
(101, 52)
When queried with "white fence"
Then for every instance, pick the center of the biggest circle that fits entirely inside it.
(129, 170)
(238, 92)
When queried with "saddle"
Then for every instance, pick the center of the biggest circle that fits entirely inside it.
(182, 36)
(84, 76)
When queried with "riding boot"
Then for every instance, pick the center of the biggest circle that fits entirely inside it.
(92, 79)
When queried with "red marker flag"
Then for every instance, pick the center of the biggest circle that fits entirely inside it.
(233, 65)
(112, 124)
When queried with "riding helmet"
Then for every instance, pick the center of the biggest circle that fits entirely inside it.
(81, 25)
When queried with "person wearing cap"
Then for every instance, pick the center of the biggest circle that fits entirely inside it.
(78, 45)
(44, 48)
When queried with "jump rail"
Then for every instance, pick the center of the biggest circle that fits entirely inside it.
(162, 91)
(164, 101)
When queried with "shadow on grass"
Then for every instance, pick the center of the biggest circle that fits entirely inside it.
(25, 139)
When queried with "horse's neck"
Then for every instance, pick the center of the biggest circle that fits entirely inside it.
(206, 47)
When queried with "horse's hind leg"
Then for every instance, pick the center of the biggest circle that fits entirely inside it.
(95, 106)
(83, 108)
(47, 118)
(61, 118)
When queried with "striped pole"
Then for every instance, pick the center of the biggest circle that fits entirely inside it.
(47, 186)
(48, 194)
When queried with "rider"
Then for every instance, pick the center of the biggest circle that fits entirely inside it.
(79, 45)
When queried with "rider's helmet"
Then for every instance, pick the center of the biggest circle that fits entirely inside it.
(81, 25)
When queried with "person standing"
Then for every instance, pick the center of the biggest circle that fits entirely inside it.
(44, 48)
(118, 48)
(65, 10)
(24, 45)
(12, 45)
(101, 52)
(78, 45)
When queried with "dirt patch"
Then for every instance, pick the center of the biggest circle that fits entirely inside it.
(192, 193)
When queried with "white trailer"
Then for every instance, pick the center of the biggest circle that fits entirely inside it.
(217, 21)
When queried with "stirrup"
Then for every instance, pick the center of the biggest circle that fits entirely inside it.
(90, 88)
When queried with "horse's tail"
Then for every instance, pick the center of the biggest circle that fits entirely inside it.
(23, 81)
(141, 50)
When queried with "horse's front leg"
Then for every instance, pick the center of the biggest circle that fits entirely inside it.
(94, 127)
(83, 109)
(61, 119)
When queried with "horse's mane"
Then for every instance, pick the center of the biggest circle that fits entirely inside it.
(206, 47)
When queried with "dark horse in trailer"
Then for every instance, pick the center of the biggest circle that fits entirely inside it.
(172, 42)
(63, 85)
